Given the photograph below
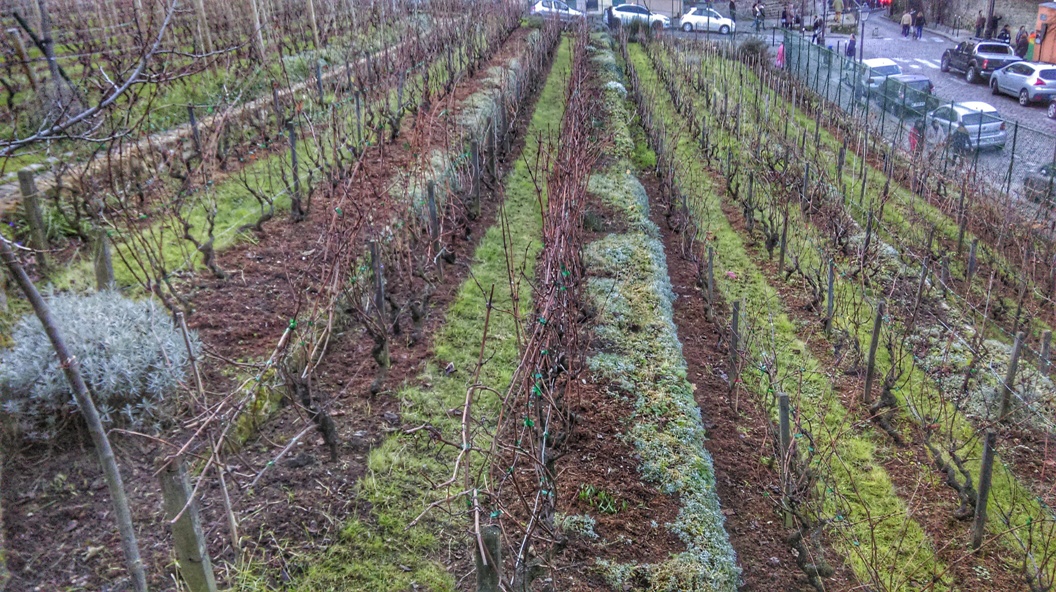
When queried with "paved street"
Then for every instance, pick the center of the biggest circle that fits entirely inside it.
(1029, 146)
(883, 39)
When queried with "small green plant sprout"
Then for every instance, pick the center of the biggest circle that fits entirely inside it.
(604, 501)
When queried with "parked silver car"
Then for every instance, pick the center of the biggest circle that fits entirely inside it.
(985, 127)
(1030, 81)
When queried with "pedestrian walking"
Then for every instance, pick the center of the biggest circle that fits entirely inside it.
(819, 31)
(916, 134)
(1022, 42)
(759, 14)
(934, 138)
(919, 21)
(784, 17)
(780, 60)
(733, 11)
(907, 22)
(960, 141)
(980, 24)
(837, 7)
(850, 51)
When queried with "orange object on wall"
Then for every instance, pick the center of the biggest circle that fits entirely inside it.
(1045, 31)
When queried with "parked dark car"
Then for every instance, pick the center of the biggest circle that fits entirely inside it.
(907, 94)
(1040, 184)
(978, 58)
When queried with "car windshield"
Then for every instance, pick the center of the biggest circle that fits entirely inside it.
(1049, 74)
(980, 118)
(886, 70)
(994, 48)
(922, 85)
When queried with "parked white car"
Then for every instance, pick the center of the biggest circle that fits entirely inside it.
(625, 14)
(555, 8)
(707, 19)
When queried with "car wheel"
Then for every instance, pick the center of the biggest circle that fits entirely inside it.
(945, 64)
(724, 30)
(657, 25)
(1024, 97)
(688, 27)
(1052, 110)
(971, 75)
(993, 87)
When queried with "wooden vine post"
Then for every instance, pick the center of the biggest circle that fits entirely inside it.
(195, 133)
(870, 369)
(970, 271)
(734, 340)
(830, 301)
(1046, 354)
(474, 188)
(489, 565)
(1010, 377)
(711, 284)
(986, 471)
(187, 532)
(102, 261)
(38, 238)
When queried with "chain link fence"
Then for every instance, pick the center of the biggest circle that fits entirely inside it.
(1009, 157)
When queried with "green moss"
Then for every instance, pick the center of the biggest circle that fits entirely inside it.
(378, 551)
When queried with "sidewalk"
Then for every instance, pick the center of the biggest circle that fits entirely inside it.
(954, 35)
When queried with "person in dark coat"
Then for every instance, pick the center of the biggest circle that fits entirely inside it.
(918, 23)
(1022, 45)
(733, 11)
(980, 24)
(851, 47)
(1005, 36)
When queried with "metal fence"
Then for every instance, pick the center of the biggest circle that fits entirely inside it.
(1003, 152)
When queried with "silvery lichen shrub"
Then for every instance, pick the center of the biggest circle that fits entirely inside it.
(131, 357)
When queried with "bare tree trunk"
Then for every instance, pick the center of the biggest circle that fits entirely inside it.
(71, 368)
